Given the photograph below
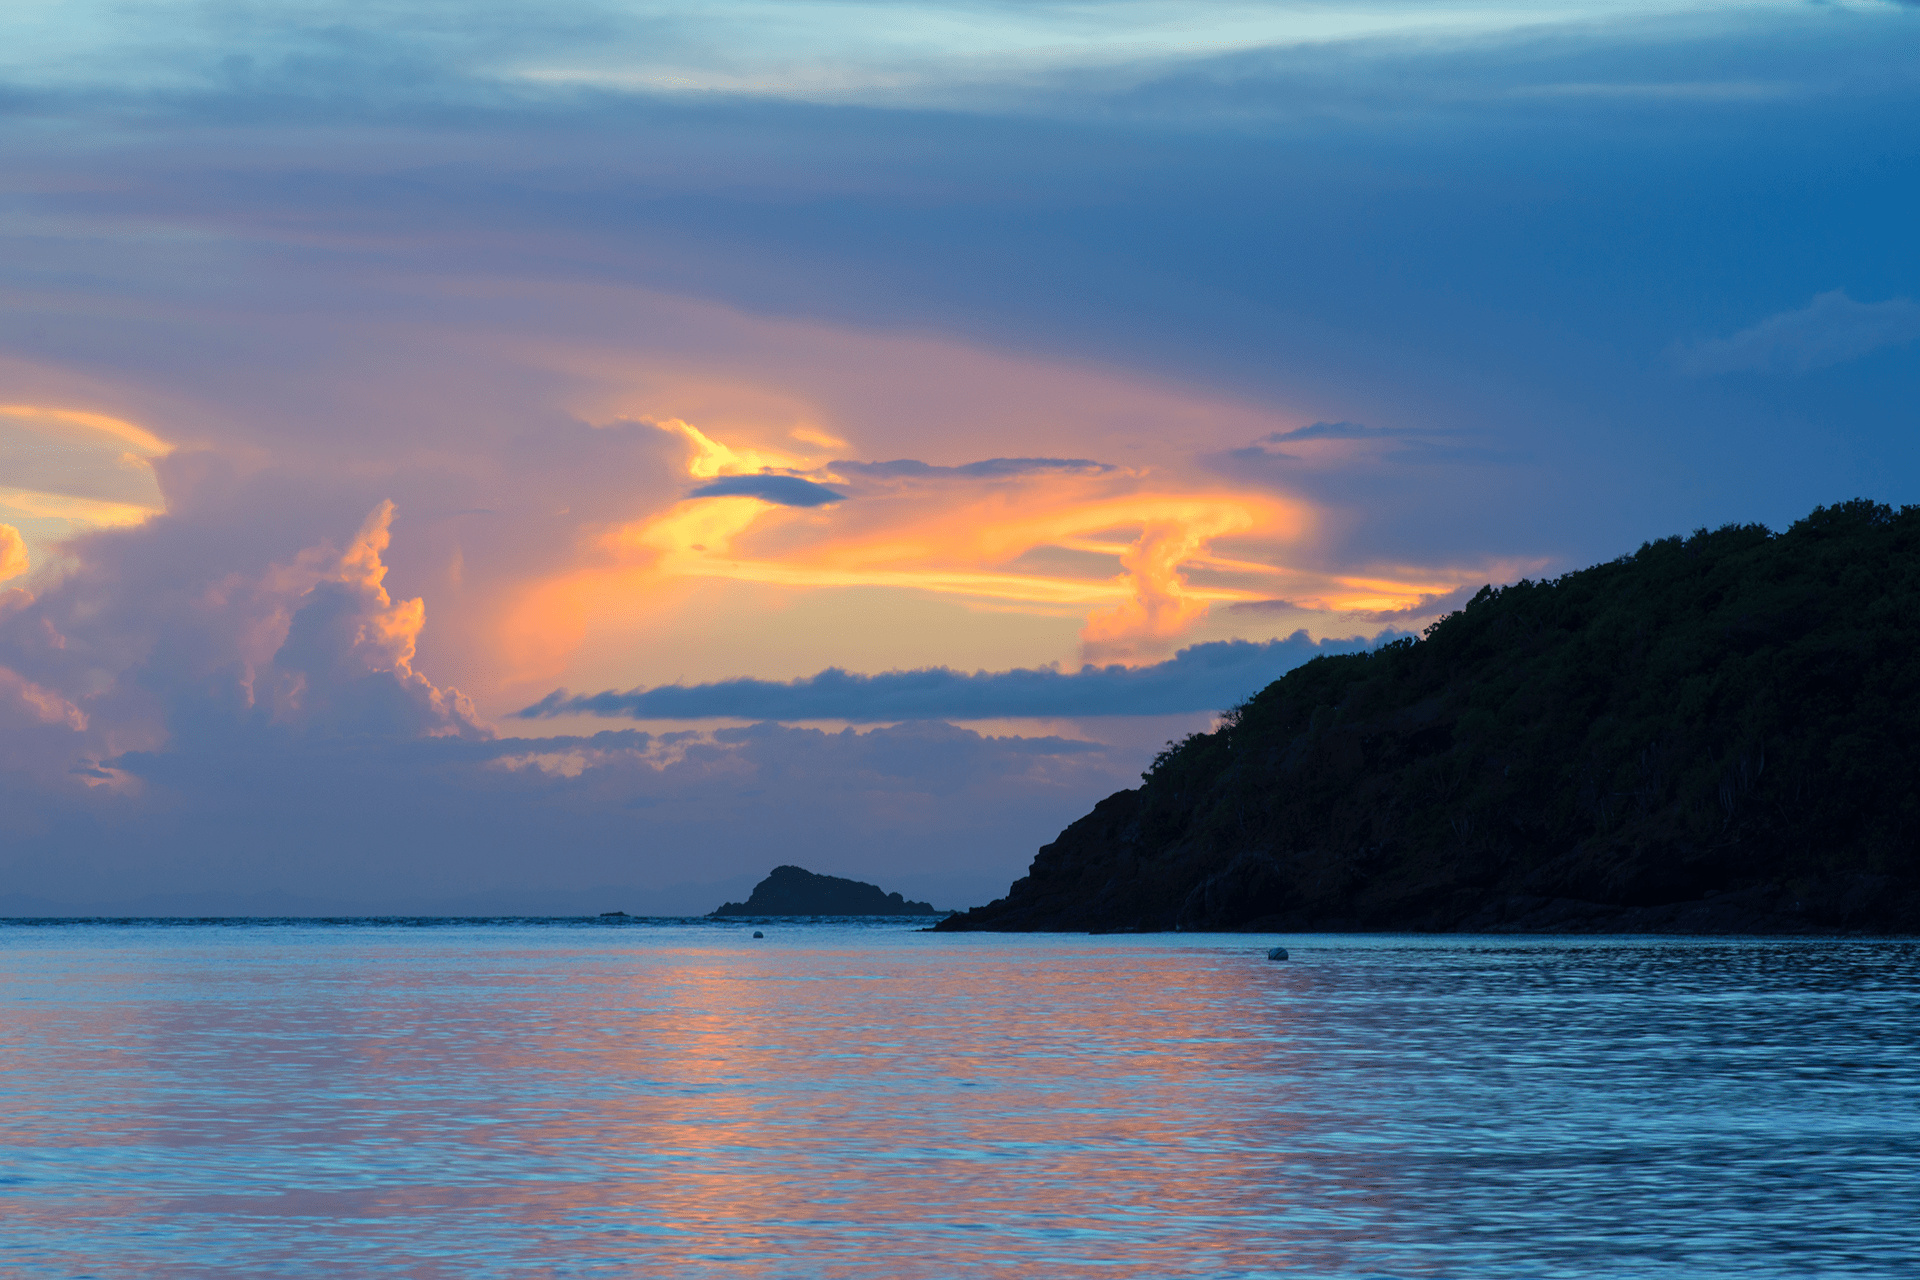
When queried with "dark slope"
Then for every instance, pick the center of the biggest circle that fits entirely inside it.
(1713, 734)
(795, 891)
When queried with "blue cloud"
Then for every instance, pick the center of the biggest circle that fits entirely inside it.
(1830, 330)
(1202, 677)
(989, 469)
(1330, 431)
(788, 491)
(1258, 460)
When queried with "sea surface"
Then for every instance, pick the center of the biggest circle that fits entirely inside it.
(665, 1099)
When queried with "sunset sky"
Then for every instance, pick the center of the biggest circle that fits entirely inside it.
(474, 457)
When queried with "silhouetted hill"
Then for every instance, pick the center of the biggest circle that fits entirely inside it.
(1713, 734)
(794, 891)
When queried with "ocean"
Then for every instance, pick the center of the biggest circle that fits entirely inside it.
(675, 1098)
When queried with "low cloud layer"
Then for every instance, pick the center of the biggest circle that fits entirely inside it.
(1830, 330)
(1202, 677)
(648, 823)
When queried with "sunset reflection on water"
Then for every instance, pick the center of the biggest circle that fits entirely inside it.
(862, 1100)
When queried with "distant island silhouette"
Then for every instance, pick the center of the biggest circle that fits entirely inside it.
(795, 891)
(1715, 734)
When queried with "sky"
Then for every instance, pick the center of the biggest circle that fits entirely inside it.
(470, 457)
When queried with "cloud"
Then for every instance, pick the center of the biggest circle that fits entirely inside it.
(1188, 243)
(786, 491)
(625, 820)
(1160, 607)
(13, 553)
(60, 421)
(1201, 677)
(1352, 448)
(180, 636)
(1330, 431)
(1830, 330)
(989, 469)
(960, 541)
(346, 662)
(222, 710)
(1430, 605)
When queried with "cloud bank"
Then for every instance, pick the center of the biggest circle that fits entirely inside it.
(1201, 677)
(195, 721)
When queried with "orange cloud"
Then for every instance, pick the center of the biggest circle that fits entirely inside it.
(1161, 605)
(390, 631)
(13, 553)
(40, 705)
(69, 422)
(1140, 560)
(711, 458)
(70, 471)
(962, 539)
(1132, 551)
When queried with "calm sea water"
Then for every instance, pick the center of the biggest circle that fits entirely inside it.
(533, 1100)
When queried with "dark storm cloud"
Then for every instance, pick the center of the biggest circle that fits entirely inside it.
(1202, 677)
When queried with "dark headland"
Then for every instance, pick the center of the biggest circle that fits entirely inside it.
(1715, 734)
(795, 891)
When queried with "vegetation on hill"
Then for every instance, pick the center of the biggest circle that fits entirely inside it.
(1715, 733)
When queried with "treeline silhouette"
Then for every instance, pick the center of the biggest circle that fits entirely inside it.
(1716, 733)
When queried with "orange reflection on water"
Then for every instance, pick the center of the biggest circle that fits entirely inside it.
(912, 1110)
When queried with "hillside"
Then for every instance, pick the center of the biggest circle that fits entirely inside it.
(1716, 733)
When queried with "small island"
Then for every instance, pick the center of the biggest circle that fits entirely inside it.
(795, 891)
(1715, 734)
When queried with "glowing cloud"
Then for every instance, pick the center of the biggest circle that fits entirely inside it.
(812, 435)
(346, 659)
(87, 512)
(13, 553)
(1161, 605)
(76, 422)
(959, 531)
(387, 633)
(69, 471)
(711, 458)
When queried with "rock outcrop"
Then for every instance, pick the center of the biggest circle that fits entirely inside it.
(795, 891)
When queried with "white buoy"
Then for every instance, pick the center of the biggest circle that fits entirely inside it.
(1276, 953)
